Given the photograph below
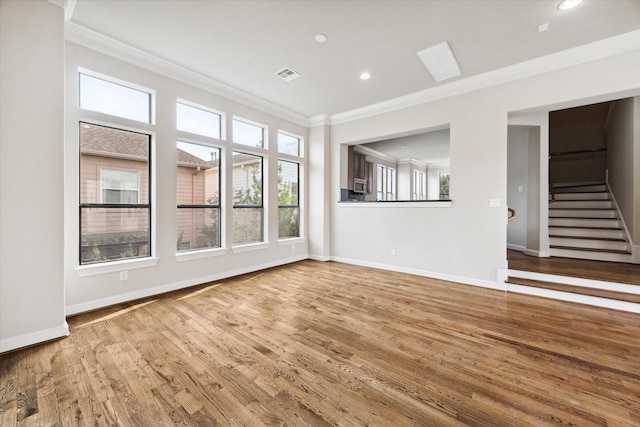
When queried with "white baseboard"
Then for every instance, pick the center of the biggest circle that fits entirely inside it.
(13, 343)
(518, 248)
(433, 275)
(539, 254)
(144, 293)
(319, 257)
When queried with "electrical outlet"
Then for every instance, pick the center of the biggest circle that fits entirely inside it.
(494, 203)
(124, 275)
(393, 252)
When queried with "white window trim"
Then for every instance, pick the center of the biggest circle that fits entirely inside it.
(115, 266)
(200, 254)
(291, 241)
(250, 247)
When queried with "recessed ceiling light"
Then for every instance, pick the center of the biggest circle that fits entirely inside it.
(568, 4)
(542, 28)
(321, 38)
(365, 76)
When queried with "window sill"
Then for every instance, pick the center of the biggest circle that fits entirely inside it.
(115, 266)
(397, 204)
(250, 247)
(200, 254)
(291, 241)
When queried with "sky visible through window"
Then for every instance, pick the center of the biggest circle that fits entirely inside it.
(114, 99)
(198, 121)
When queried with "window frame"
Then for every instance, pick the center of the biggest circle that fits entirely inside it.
(296, 206)
(217, 206)
(119, 206)
(234, 206)
(391, 176)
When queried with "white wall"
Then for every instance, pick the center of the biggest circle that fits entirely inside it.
(86, 290)
(319, 193)
(517, 177)
(467, 241)
(31, 173)
(621, 158)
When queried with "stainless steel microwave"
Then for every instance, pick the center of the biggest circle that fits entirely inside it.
(359, 185)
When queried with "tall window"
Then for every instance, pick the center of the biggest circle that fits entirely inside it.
(391, 184)
(444, 185)
(380, 181)
(248, 218)
(198, 178)
(418, 185)
(288, 199)
(198, 196)
(288, 186)
(115, 205)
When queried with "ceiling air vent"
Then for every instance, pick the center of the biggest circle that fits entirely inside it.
(287, 74)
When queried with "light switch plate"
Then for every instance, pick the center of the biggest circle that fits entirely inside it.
(494, 203)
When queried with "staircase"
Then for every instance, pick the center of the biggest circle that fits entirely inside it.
(584, 223)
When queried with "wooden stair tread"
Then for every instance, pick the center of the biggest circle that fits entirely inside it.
(586, 228)
(613, 251)
(602, 293)
(580, 209)
(604, 239)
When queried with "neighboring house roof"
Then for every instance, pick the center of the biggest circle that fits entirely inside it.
(190, 161)
(108, 142)
(105, 141)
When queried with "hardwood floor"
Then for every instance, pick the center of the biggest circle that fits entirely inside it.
(595, 270)
(321, 344)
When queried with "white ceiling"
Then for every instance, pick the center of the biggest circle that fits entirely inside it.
(242, 44)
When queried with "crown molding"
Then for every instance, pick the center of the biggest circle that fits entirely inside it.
(578, 55)
(93, 40)
(67, 5)
(322, 120)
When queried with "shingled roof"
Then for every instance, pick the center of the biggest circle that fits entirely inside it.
(109, 142)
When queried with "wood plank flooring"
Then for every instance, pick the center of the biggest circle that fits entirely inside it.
(320, 344)
(596, 270)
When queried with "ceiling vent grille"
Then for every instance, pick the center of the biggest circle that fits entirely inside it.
(287, 74)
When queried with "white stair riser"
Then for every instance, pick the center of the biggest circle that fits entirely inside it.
(582, 213)
(581, 204)
(582, 196)
(589, 243)
(585, 222)
(587, 232)
(580, 189)
(595, 256)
